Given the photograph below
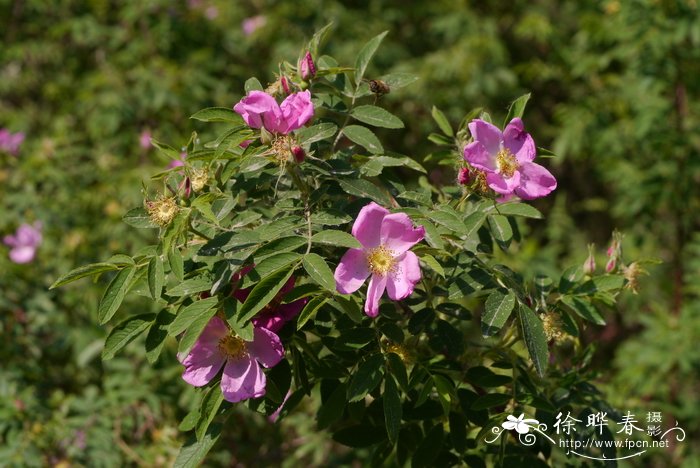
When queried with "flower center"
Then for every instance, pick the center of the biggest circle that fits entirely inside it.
(233, 346)
(162, 211)
(282, 149)
(506, 163)
(381, 260)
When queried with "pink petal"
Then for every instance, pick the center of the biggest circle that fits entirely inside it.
(296, 109)
(487, 134)
(535, 181)
(502, 185)
(214, 331)
(257, 107)
(242, 379)
(398, 234)
(274, 320)
(377, 284)
(22, 254)
(266, 347)
(205, 359)
(351, 272)
(519, 142)
(400, 284)
(368, 224)
(476, 154)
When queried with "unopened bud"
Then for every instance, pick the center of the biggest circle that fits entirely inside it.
(285, 84)
(589, 264)
(307, 67)
(463, 176)
(610, 266)
(299, 154)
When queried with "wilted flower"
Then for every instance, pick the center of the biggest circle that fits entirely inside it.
(506, 158)
(219, 347)
(384, 255)
(24, 242)
(632, 272)
(199, 179)
(589, 264)
(259, 109)
(252, 24)
(10, 142)
(307, 67)
(162, 211)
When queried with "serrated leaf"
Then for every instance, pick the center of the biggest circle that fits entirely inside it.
(190, 286)
(392, 408)
(217, 114)
(366, 378)
(189, 314)
(500, 229)
(365, 55)
(336, 238)
(264, 292)
(114, 294)
(318, 270)
(332, 409)
(518, 209)
(517, 108)
(497, 309)
(398, 80)
(176, 264)
(157, 334)
(267, 266)
(316, 133)
(193, 452)
(138, 218)
(124, 333)
(490, 400)
(210, 406)
(82, 272)
(583, 309)
(364, 137)
(310, 310)
(376, 116)
(156, 276)
(442, 122)
(364, 189)
(433, 264)
(535, 339)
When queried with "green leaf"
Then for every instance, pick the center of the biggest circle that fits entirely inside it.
(490, 400)
(177, 266)
(601, 283)
(190, 286)
(360, 435)
(497, 309)
(310, 310)
(332, 409)
(535, 339)
(447, 219)
(318, 270)
(365, 56)
(501, 229)
(392, 408)
(138, 218)
(376, 116)
(376, 164)
(442, 122)
(82, 272)
(336, 238)
(583, 308)
(210, 406)
(367, 377)
(267, 266)
(124, 333)
(429, 448)
(196, 327)
(217, 114)
(316, 133)
(364, 137)
(252, 84)
(474, 222)
(517, 108)
(193, 452)
(398, 80)
(114, 294)
(157, 334)
(156, 277)
(364, 189)
(279, 245)
(186, 316)
(433, 264)
(518, 209)
(169, 151)
(264, 292)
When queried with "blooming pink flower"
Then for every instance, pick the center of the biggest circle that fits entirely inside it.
(384, 255)
(10, 142)
(275, 314)
(24, 243)
(218, 347)
(259, 109)
(507, 157)
(307, 67)
(145, 139)
(252, 24)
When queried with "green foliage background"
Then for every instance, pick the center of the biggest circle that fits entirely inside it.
(615, 96)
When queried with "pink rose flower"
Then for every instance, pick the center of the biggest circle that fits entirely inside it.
(384, 256)
(24, 243)
(252, 24)
(218, 347)
(259, 109)
(145, 139)
(10, 142)
(506, 158)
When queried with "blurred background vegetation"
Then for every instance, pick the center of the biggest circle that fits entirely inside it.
(615, 95)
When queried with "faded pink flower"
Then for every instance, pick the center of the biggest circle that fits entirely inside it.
(145, 139)
(506, 158)
(24, 243)
(10, 142)
(252, 24)
(307, 67)
(218, 347)
(385, 239)
(259, 109)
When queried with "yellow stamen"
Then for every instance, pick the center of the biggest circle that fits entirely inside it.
(506, 163)
(162, 211)
(282, 149)
(380, 260)
(233, 346)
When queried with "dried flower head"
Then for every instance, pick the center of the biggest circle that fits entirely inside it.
(162, 211)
